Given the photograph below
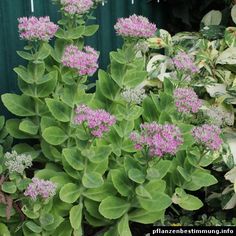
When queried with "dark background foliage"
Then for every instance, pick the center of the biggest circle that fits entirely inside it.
(186, 15)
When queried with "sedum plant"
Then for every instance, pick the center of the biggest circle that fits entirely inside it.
(107, 159)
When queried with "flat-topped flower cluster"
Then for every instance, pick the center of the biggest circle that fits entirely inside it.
(40, 188)
(208, 136)
(159, 139)
(135, 26)
(182, 61)
(85, 62)
(77, 6)
(17, 163)
(186, 100)
(98, 121)
(36, 29)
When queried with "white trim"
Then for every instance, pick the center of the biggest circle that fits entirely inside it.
(32, 5)
(132, 1)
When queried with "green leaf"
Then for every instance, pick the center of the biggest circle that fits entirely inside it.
(25, 55)
(23, 74)
(200, 178)
(61, 179)
(124, 128)
(23, 184)
(121, 182)
(117, 72)
(146, 217)
(150, 110)
(142, 192)
(12, 126)
(123, 226)
(233, 14)
(47, 77)
(49, 84)
(113, 207)
(46, 219)
(64, 229)
(134, 78)
(119, 57)
(44, 52)
(92, 208)
(74, 158)
(159, 202)
(4, 230)
(101, 153)
(54, 135)
(98, 194)
(56, 222)
(19, 105)
(230, 38)
(212, 18)
(90, 30)
(92, 180)
(29, 127)
(76, 214)
(136, 175)
(108, 87)
(69, 193)
(9, 187)
(33, 227)
(186, 201)
(75, 33)
(164, 118)
(159, 170)
(2, 122)
(59, 110)
(168, 87)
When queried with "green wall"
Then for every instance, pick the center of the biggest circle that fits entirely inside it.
(104, 41)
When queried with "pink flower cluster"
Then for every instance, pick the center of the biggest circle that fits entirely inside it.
(135, 26)
(182, 61)
(186, 100)
(85, 62)
(40, 188)
(208, 135)
(159, 139)
(77, 6)
(33, 28)
(98, 121)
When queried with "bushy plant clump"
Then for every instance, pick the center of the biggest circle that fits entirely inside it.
(123, 154)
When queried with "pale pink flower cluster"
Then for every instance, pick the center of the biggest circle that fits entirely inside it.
(186, 100)
(98, 121)
(77, 6)
(182, 61)
(33, 28)
(40, 188)
(85, 62)
(208, 135)
(135, 26)
(159, 139)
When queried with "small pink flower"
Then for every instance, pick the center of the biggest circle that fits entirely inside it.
(77, 6)
(182, 61)
(159, 139)
(135, 26)
(98, 121)
(40, 188)
(33, 28)
(85, 62)
(186, 100)
(208, 136)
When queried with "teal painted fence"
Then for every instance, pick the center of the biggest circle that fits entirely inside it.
(104, 41)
